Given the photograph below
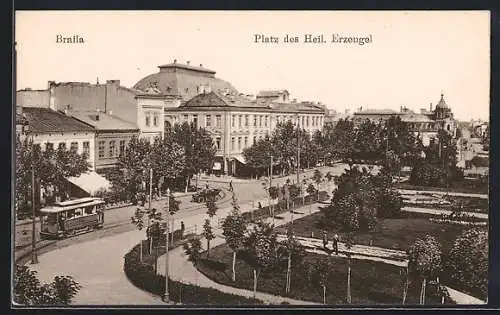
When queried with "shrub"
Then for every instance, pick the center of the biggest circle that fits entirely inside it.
(144, 277)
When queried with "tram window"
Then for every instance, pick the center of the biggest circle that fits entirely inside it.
(78, 212)
(88, 210)
(71, 214)
(51, 218)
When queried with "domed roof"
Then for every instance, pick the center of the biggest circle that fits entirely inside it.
(442, 103)
(184, 80)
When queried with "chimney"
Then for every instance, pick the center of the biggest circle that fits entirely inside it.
(430, 107)
(201, 65)
(294, 100)
(67, 110)
(110, 112)
(113, 82)
(188, 62)
(175, 60)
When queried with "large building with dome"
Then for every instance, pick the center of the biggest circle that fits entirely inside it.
(184, 80)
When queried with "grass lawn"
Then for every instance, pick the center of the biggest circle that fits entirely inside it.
(389, 233)
(371, 282)
(472, 186)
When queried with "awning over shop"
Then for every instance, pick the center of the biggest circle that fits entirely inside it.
(240, 158)
(91, 182)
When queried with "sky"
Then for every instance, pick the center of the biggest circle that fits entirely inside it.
(413, 57)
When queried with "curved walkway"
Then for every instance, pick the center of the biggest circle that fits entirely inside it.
(98, 266)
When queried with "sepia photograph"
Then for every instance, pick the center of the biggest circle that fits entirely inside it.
(250, 158)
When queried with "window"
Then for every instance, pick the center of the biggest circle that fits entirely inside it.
(74, 147)
(122, 148)
(112, 151)
(233, 123)
(232, 143)
(86, 148)
(155, 119)
(313, 121)
(239, 143)
(209, 121)
(218, 121)
(254, 139)
(217, 143)
(307, 121)
(239, 122)
(101, 149)
(265, 121)
(303, 121)
(148, 119)
(246, 120)
(195, 121)
(186, 117)
(255, 120)
(260, 121)
(246, 142)
(49, 146)
(62, 145)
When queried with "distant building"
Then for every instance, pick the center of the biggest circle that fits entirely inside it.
(112, 135)
(144, 108)
(185, 81)
(237, 122)
(280, 96)
(424, 124)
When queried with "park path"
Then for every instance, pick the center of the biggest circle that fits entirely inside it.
(442, 211)
(185, 271)
(435, 192)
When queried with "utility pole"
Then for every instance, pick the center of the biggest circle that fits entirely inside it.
(166, 297)
(34, 256)
(150, 196)
(271, 185)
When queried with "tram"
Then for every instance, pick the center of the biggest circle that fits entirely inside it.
(72, 217)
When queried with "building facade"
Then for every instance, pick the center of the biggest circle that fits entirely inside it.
(112, 136)
(236, 122)
(425, 124)
(55, 129)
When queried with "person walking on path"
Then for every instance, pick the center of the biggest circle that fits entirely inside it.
(231, 186)
(336, 244)
(325, 240)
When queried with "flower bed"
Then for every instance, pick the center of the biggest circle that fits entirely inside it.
(142, 275)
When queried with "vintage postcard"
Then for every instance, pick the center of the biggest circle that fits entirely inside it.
(224, 158)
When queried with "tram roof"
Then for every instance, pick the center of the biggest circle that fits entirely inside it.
(72, 204)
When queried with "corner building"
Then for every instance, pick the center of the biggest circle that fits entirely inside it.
(237, 122)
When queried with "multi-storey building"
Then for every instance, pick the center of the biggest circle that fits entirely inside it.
(112, 136)
(55, 129)
(425, 124)
(237, 122)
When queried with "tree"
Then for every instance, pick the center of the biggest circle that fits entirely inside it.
(29, 291)
(392, 163)
(322, 271)
(273, 194)
(339, 138)
(257, 156)
(169, 161)
(52, 168)
(318, 178)
(208, 234)
(198, 146)
(467, 262)
(293, 192)
(192, 248)
(233, 229)
(260, 249)
(294, 253)
(424, 257)
(138, 220)
(368, 141)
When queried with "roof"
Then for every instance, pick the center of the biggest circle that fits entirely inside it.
(377, 112)
(214, 99)
(442, 103)
(105, 122)
(415, 118)
(184, 83)
(48, 120)
(274, 93)
(187, 67)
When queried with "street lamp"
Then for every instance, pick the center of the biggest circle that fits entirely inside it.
(166, 297)
(34, 256)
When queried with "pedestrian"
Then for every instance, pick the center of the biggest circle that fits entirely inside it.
(182, 229)
(231, 186)
(325, 240)
(336, 244)
(206, 186)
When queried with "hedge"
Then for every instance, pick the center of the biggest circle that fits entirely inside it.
(143, 276)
